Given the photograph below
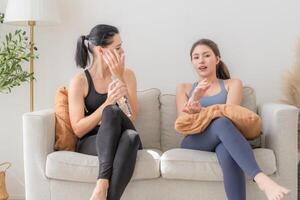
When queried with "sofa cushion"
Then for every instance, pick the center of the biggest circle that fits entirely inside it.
(65, 139)
(189, 164)
(73, 166)
(148, 119)
(171, 139)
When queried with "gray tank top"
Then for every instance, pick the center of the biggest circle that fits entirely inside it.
(219, 98)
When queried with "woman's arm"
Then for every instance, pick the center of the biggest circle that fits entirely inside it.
(81, 125)
(235, 91)
(130, 81)
(116, 64)
(181, 97)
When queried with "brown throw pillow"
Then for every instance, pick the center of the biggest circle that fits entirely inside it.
(65, 139)
(248, 122)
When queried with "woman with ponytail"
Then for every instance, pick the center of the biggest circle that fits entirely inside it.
(103, 129)
(235, 156)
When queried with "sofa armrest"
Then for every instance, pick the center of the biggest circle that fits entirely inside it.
(38, 142)
(280, 131)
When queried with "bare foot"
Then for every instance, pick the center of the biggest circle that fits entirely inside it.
(100, 190)
(272, 190)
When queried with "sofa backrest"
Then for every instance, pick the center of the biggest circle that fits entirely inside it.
(157, 114)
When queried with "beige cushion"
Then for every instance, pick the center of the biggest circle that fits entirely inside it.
(249, 99)
(148, 119)
(72, 166)
(171, 139)
(189, 164)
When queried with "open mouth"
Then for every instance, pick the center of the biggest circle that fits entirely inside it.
(202, 68)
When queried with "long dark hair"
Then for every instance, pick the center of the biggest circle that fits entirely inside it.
(222, 71)
(100, 35)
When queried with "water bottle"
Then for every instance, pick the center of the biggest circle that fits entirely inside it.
(124, 103)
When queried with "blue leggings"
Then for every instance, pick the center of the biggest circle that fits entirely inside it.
(233, 151)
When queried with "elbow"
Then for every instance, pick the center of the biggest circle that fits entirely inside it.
(133, 117)
(134, 113)
(77, 131)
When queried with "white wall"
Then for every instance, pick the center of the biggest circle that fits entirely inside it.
(256, 38)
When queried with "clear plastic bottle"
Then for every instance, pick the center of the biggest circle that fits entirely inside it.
(124, 103)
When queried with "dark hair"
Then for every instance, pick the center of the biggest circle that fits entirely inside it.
(100, 35)
(222, 70)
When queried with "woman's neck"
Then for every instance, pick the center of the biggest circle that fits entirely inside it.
(211, 80)
(100, 71)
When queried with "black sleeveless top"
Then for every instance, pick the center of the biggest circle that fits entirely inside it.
(92, 101)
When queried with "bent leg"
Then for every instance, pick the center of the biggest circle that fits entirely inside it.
(236, 144)
(114, 122)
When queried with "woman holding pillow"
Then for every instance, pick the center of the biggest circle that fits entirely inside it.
(233, 151)
(103, 129)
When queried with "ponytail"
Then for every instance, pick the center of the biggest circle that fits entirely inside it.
(82, 57)
(100, 35)
(222, 71)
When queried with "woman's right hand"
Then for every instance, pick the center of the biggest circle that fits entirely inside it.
(200, 90)
(193, 106)
(116, 90)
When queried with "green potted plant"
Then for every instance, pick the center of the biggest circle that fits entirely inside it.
(14, 52)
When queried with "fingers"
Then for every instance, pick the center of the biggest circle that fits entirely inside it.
(203, 85)
(116, 54)
(110, 61)
(117, 89)
(112, 57)
(112, 84)
(201, 88)
(122, 59)
(191, 107)
(115, 62)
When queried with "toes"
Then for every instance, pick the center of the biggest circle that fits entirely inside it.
(280, 195)
(286, 191)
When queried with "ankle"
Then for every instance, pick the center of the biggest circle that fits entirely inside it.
(261, 179)
(102, 184)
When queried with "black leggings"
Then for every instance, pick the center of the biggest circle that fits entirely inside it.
(116, 145)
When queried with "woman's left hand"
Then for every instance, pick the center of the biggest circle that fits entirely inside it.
(115, 62)
(192, 107)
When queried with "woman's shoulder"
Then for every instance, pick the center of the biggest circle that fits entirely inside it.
(233, 83)
(184, 87)
(78, 81)
(79, 78)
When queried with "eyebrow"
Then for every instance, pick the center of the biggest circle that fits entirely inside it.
(197, 54)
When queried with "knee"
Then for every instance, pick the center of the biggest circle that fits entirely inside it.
(133, 138)
(222, 121)
(111, 111)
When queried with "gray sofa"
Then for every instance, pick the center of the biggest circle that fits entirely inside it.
(163, 170)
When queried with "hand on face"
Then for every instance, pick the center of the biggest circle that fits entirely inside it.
(115, 62)
(116, 90)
